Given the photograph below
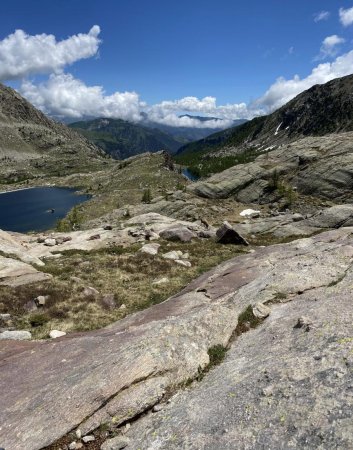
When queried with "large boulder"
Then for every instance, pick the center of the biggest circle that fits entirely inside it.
(177, 233)
(226, 234)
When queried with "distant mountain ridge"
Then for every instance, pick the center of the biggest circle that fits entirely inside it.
(122, 139)
(320, 110)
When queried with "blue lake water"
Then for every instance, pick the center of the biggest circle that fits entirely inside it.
(189, 175)
(30, 209)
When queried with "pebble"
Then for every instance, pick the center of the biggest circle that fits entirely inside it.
(56, 334)
(89, 438)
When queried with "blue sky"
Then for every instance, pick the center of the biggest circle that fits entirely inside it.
(164, 51)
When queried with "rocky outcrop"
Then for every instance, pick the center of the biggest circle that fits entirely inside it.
(279, 383)
(22, 251)
(321, 166)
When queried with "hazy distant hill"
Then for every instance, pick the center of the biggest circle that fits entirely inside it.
(122, 139)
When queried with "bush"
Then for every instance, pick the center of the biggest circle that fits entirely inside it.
(146, 197)
(37, 320)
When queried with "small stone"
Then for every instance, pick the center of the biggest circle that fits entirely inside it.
(49, 242)
(90, 292)
(41, 299)
(108, 300)
(123, 307)
(89, 438)
(183, 263)
(107, 227)
(78, 433)
(30, 306)
(127, 426)
(250, 213)
(20, 335)
(268, 391)
(304, 322)
(171, 255)
(94, 237)
(157, 408)
(297, 217)
(73, 445)
(150, 249)
(161, 281)
(117, 443)
(261, 311)
(56, 334)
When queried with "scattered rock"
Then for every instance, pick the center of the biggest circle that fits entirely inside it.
(73, 445)
(297, 217)
(20, 335)
(261, 311)
(56, 334)
(108, 301)
(171, 255)
(226, 234)
(41, 300)
(150, 249)
(50, 242)
(250, 213)
(90, 292)
(158, 407)
(117, 443)
(161, 281)
(89, 438)
(94, 237)
(182, 262)
(30, 306)
(304, 322)
(78, 433)
(123, 307)
(177, 233)
(206, 234)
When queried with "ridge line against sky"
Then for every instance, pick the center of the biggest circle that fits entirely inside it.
(43, 69)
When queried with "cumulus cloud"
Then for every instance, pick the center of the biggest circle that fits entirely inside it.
(65, 96)
(322, 15)
(284, 90)
(22, 55)
(346, 16)
(167, 112)
(330, 46)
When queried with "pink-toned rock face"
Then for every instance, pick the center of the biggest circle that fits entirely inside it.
(80, 380)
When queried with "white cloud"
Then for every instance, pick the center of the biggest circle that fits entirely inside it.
(346, 16)
(65, 96)
(22, 55)
(322, 15)
(329, 47)
(167, 112)
(284, 90)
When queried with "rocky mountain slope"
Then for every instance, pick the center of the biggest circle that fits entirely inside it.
(31, 143)
(317, 166)
(321, 110)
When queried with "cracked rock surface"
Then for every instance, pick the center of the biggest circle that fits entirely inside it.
(280, 386)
